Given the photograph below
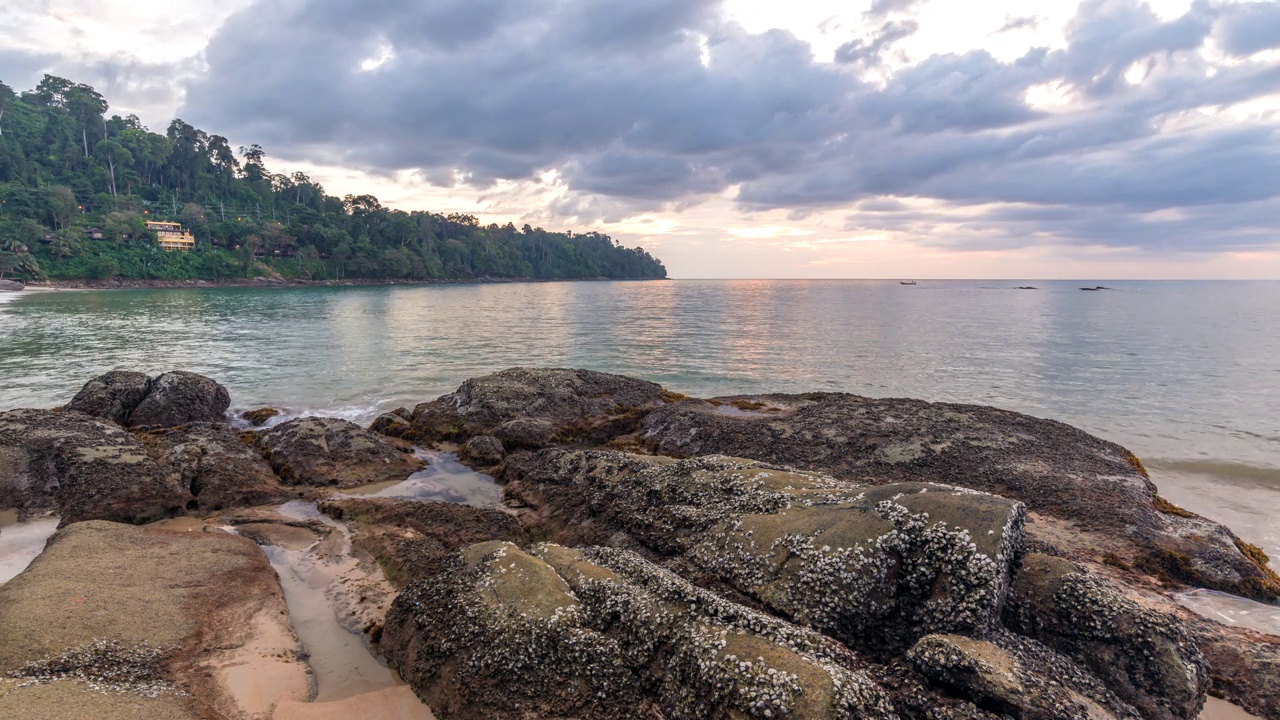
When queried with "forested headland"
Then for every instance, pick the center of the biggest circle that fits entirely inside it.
(77, 187)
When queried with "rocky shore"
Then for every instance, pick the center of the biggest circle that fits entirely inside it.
(276, 281)
(819, 555)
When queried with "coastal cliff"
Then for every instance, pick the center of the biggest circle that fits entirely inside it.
(819, 555)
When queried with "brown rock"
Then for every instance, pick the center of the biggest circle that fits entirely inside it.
(217, 466)
(331, 452)
(259, 417)
(111, 396)
(180, 397)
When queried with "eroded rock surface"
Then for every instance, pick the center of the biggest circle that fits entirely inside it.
(178, 398)
(533, 407)
(81, 468)
(1054, 468)
(411, 539)
(1146, 657)
(217, 466)
(111, 396)
(875, 567)
(500, 630)
(1016, 677)
(332, 452)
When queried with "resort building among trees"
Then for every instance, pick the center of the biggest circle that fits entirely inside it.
(173, 236)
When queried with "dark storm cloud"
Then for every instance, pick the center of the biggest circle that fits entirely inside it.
(618, 100)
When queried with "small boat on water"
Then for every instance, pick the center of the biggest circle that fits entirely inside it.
(906, 282)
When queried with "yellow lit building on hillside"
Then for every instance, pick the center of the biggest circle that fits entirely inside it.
(173, 236)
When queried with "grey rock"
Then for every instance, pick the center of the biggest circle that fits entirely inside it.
(12, 285)
(180, 397)
(483, 450)
(216, 465)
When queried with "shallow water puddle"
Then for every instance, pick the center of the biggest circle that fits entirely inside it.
(1232, 610)
(1215, 709)
(20, 543)
(445, 479)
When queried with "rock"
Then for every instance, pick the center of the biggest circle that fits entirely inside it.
(411, 539)
(394, 423)
(216, 466)
(531, 407)
(874, 567)
(1244, 665)
(10, 284)
(143, 614)
(1147, 658)
(1057, 470)
(483, 450)
(180, 397)
(332, 452)
(601, 633)
(259, 417)
(111, 396)
(1016, 677)
(81, 468)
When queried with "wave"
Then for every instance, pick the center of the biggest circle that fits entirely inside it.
(1232, 472)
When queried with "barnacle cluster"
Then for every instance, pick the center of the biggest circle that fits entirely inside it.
(104, 666)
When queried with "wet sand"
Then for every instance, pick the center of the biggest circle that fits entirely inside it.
(1215, 709)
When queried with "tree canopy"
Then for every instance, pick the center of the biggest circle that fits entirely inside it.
(77, 187)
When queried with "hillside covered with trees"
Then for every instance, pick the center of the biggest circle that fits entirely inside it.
(77, 187)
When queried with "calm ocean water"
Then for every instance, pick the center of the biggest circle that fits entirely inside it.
(1186, 374)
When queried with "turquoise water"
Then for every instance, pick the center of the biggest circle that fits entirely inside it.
(1186, 374)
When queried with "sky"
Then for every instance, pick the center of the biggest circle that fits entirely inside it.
(740, 138)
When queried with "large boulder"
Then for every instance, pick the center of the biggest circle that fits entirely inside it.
(180, 397)
(533, 407)
(600, 633)
(81, 468)
(1016, 677)
(1244, 665)
(133, 399)
(1060, 472)
(151, 623)
(411, 539)
(1146, 657)
(322, 451)
(11, 284)
(111, 396)
(875, 567)
(216, 465)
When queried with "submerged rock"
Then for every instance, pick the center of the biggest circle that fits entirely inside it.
(1145, 657)
(601, 633)
(259, 417)
(533, 407)
(874, 567)
(332, 452)
(1016, 677)
(134, 400)
(483, 450)
(81, 468)
(217, 466)
(1057, 470)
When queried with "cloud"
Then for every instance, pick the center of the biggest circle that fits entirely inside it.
(1013, 23)
(660, 104)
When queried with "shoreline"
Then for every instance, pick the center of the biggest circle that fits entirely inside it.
(119, 284)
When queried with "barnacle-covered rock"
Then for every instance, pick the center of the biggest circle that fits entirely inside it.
(178, 398)
(412, 539)
(260, 416)
(81, 468)
(1055, 469)
(532, 407)
(602, 633)
(875, 567)
(111, 396)
(1146, 657)
(1016, 677)
(483, 450)
(333, 452)
(217, 465)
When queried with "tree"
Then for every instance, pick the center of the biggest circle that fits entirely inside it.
(113, 152)
(60, 204)
(8, 263)
(247, 250)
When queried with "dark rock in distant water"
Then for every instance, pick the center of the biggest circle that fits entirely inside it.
(484, 450)
(1016, 677)
(554, 632)
(81, 468)
(12, 285)
(134, 400)
(332, 452)
(532, 407)
(1057, 470)
(259, 417)
(111, 396)
(1145, 657)
(412, 539)
(874, 567)
(178, 398)
(217, 466)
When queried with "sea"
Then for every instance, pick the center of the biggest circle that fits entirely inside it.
(1185, 374)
